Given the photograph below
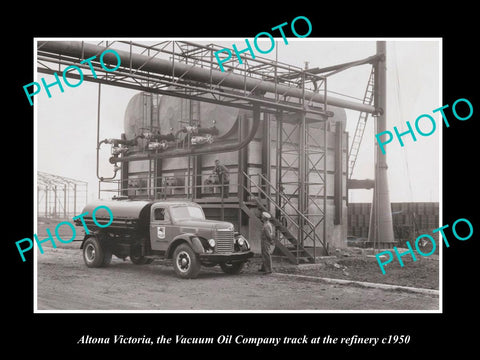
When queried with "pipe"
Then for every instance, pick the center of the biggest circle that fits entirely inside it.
(83, 50)
(360, 184)
(99, 143)
(339, 67)
(205, 149)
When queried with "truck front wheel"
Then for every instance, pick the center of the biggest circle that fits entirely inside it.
(94, 254)
(186, 262)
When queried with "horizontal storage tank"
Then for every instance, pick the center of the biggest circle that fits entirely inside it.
(123, 214)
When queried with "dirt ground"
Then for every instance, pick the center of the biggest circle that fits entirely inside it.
(423, 273)
(65, 283)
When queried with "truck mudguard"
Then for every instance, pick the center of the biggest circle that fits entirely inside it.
(190, 239)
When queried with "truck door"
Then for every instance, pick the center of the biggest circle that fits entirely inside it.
(160, 228)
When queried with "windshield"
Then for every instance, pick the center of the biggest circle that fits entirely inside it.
(187, 213)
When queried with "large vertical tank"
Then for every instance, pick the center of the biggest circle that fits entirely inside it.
(168, 114)
(176, 112)
(142, 114)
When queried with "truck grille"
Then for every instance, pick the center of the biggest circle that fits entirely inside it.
(224, 241)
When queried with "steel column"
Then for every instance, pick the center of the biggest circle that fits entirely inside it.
(381, 225)
(55, 201)
(74, 199)
(65, 201)
(266, 142)
(338, 183)
(46, 201)
(38, 199)
(242, 160)
(278, 162)
(302, 173)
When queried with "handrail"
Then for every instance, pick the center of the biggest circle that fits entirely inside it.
(276, 205)
(297, 244)
(269, 197)
(299, 213)
(314, 227)
(287, 200)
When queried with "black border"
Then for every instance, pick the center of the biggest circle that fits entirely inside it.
(58, 333)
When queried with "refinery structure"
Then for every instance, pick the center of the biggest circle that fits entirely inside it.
(275, 127)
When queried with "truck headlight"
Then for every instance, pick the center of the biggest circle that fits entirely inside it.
(211, 242)
(242, 242)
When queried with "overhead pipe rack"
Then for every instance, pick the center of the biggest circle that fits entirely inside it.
(171, 73)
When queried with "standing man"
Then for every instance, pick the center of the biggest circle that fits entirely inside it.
(223, 177)
(268, 242)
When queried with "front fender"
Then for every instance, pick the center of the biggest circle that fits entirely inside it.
(190, 239)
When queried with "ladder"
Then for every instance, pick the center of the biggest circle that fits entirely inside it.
(362, 121)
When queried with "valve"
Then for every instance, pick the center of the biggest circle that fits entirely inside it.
(199, 140)
(117, 150)
(162, 145)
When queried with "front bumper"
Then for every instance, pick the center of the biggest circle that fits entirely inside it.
(224, 258)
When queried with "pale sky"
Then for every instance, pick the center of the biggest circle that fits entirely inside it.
(66, 122)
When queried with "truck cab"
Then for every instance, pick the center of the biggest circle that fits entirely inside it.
(149, 230)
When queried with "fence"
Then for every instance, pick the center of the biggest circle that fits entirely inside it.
(409, 219)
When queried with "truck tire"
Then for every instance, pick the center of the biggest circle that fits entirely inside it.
(94, 254)
(232, 268)
(185, 262)
(140, 260)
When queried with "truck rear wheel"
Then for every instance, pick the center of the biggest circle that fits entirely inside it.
(186, 262)
(94, 254)
(232, 268)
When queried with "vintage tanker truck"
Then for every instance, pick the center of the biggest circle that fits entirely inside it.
(146, 230)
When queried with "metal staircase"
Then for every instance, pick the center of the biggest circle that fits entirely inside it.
(293, 251)
(286, 242)
(362, 121)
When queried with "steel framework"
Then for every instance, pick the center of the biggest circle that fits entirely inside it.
(185, 69)
(60, 197)
(300, 156)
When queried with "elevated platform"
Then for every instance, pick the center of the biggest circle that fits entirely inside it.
(216, 201)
